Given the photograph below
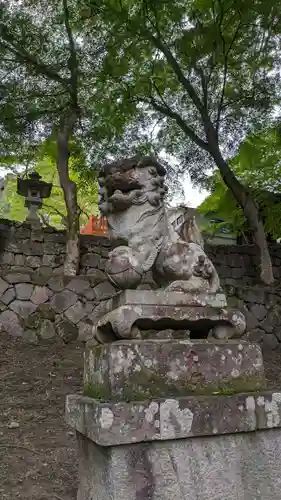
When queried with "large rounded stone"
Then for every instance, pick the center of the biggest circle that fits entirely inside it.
(40, 295)
(47, 330)
(24, 291)
(76, 312)
(9, 322)
(67, 331)
(22, 308)
(63, 300)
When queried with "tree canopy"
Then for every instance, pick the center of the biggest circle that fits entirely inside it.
(258, 165)
(178, 67)
(190, 78)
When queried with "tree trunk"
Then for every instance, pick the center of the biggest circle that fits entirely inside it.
(251, 213)
(69, 188)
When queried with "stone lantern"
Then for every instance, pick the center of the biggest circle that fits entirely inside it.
(34, 190)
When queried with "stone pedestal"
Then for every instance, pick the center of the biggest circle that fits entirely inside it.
(235, 466)
(150, 313)
(176, 419)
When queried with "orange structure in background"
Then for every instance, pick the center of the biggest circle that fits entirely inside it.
(96, 226)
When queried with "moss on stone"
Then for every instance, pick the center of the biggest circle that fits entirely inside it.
(35, 319)
(97, 391)
(157, 386)
(241, 385)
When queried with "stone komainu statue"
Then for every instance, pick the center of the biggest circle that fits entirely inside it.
(132, 198)
(164, 281)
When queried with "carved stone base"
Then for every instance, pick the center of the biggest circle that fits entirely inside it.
(137, 370)
(134, 312)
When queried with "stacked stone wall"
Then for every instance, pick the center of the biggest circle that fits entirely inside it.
(37, 307)
(38, 301)
(24, 249)
(239, 264)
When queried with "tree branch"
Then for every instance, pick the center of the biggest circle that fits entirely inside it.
(29, 60)
(225, 65)
(33, 114)
(72, 61)
(160, 45)
(204, 84)
(167, 111)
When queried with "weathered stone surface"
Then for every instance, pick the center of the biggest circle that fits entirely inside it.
(8, 296)
(89, 307)
(101, 308)
(158, 368)
(90, 260)
(9, 322)
(57, 236)
(35, 319)
(148, 241)
(274, 316)
(33, 261)
(104, 291)
(171, 418)
(22, 308)
(67, 331)
(53, 248)
(7, 258)
(47, 329)
(255, 335)
(33, 248)
(57, 271)
(95, 276)
(42, 275)
(63, 300)
(233, 467)
(251, 321)
(30, 336)
(89, 294)
(17, 278)
(23, 291)
(161, 297)
(48, 260)
(3, 286)
(37, 235)
(40, 295)
(78, 285)
(270, 341)
(20, 260)
(76, 312)
(259, 311)
(133, 321)
(57, 284)
(255, 295)
(85, 331)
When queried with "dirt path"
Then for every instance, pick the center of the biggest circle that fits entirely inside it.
(38, 458)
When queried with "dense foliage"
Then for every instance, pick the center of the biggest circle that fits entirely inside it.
(190, 78)
(53, 212)
(258, 165)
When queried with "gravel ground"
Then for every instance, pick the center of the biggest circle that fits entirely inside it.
(38, 459)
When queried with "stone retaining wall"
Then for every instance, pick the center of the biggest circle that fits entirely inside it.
(35, 306)
(37, 301)
(262, 308)
(239, 264)
(22, 248)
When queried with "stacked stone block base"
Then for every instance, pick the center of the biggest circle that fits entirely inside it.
(207, 438)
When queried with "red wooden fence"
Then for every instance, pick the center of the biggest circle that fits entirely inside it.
(96, 225)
